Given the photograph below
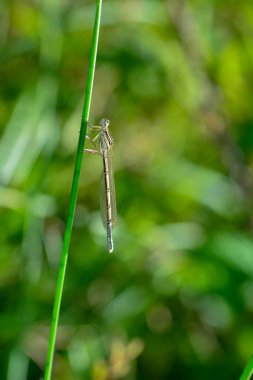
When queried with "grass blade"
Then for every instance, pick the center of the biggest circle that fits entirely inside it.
(73, 194)
(248, 370)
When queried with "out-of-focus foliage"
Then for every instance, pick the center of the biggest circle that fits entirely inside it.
(175, 300)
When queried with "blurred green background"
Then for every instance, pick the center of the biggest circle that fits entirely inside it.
(175, 300)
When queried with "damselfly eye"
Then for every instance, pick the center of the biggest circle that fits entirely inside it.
(105, 123)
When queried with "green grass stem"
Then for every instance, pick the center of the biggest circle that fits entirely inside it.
(73, 194)
(248, 370)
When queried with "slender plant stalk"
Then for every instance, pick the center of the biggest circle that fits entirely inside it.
(73, 194)
(248, 370)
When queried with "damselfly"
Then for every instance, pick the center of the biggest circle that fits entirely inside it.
(103, 143)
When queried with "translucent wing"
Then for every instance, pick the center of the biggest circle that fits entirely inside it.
(102, 194)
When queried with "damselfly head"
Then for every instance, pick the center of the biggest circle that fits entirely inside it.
(105, 123)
